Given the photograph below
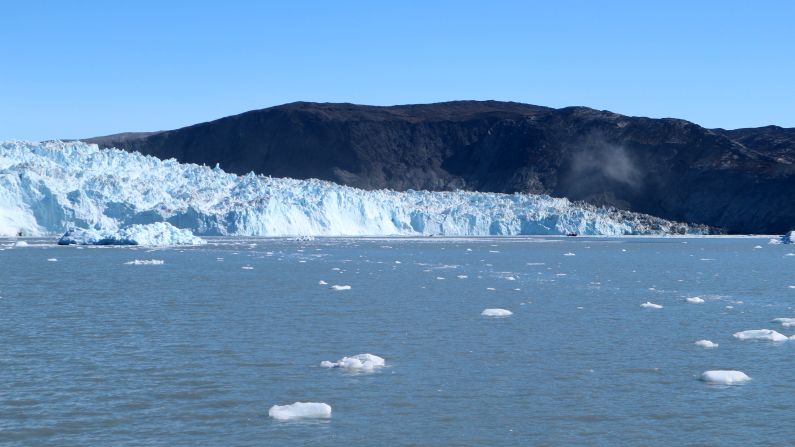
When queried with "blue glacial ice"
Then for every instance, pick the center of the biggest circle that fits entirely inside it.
(48, 187)
(154, 234)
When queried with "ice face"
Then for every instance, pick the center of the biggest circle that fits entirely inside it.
(48, 187)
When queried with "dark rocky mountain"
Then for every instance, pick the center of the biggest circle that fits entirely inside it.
(741, 180)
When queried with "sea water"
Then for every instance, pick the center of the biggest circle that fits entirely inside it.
(192, 346)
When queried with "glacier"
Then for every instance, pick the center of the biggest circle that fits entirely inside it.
(49, 187)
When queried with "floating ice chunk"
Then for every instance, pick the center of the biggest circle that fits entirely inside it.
(496, 313)
(52, 259)
(300, 410)
(569, 254)
(650, 305)
(336, 287)
(322, 283)
(756, 247)
(492, 289)
(760, 334)
(359, 362)
(155, 234)
(786, 322)
(247, 267)
(440, 277)
(790, 254)
(695, 300)
(723, 377)
(20, 244)
(706, 344)
(787, 238)
(462, 276)
(146, 262)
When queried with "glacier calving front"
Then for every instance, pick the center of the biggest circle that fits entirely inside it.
(50, 186)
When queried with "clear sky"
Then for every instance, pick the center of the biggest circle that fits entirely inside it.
(85, 68)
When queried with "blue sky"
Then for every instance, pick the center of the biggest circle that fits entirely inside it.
(84, 68)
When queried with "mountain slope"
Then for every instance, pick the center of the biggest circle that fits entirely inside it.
(739, 180)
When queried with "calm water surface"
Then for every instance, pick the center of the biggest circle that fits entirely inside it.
(194, 351)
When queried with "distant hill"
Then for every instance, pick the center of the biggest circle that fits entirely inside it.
(741, 180)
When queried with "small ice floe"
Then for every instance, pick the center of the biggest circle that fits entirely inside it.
(757, 247)
(440, 278)
(300, 410)
(496, 313)
(569, 254)
(790, 254)
(462, 276)
(510, 278)
(359, 362)
(492, 289)
(397, 262)
(724, 377)
(760, 334)
(785, 322)
(336, 287)
(145, 262)
(52, 260)
(247, 267)
(706, 344)
(694, 300)
(322, 283)
(650, 305)
(20, 244)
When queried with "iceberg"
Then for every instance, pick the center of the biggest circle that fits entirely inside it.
(760, 334)
(496, 313)
(695, 300)
(155, 234)
(788, 238)
(145, 262)
(785, 322)
(47, 187)
(706, 344)
(724, 377)
(300, 410)
(360, 362)
(650, 305)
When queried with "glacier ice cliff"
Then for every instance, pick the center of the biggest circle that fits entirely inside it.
(48, 187)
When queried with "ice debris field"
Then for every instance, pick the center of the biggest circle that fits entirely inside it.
(49, 187)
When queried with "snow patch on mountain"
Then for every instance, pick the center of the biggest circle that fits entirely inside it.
(48, 187)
